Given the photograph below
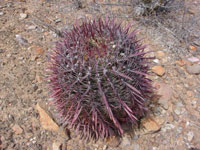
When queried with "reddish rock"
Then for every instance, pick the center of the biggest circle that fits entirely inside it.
(45, 119)
(193, 48)
(17, 129)
(150, 125)
(39, 50)
(180, 62)
(160, 54)
(159, 70)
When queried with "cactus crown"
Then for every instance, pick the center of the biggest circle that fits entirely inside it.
(98, 78)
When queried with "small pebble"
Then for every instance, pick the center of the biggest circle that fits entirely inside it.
(8, 55)
(54, 35)
(194, 69)
(187, 123)
(168, 127)
(177, 111)
(32, 27)
(17, 129)
(180, 71)
(156, 61)
(57, 20)
(193, 59)
(159, 70)
(38, 63)
(21, 40)
(21, 58)
(190, 136)
(1, 13)
(160, 54)
(23, 16)
(178, 108)
(139, 11)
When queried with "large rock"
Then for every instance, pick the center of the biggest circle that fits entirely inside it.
(45, 118)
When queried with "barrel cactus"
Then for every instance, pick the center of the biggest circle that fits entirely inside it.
(98, 78)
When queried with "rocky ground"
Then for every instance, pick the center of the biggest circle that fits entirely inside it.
(28, 30)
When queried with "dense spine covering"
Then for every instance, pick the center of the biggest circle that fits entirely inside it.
(98, 78)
